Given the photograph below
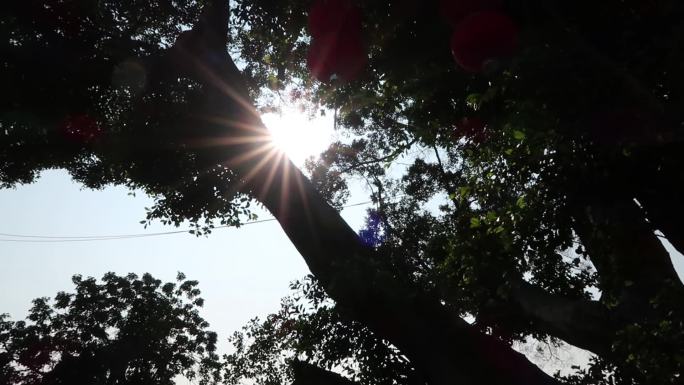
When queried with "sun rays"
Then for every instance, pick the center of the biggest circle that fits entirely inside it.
(265, 151)
(298, 135)
(262, 158)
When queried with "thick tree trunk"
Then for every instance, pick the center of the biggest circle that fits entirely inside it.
(446, 348)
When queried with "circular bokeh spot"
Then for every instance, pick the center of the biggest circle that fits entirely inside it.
(483, 37)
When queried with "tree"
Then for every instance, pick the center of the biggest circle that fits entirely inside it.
(561, 154)
(125, 330)
(309, 332)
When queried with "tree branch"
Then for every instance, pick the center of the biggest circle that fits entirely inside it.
(664, 212)
(631, 261)
(392, 155)
(308, 374)
(585, 324)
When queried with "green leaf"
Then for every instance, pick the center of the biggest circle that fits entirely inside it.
(473, 101)
(518, 135)
(474, 222)
(521, 202)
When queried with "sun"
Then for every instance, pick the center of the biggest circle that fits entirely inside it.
(297, 135)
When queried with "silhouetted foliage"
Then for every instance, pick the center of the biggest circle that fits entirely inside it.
(522, 185)
(309, 327)
(111, 108)
(123, 330)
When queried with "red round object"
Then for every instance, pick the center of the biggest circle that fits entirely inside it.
(333, 16)
(351, 56)
(80, 128)
(319, 59)
(454, 11)
(342, 55)
(481, 37)
(472, 128)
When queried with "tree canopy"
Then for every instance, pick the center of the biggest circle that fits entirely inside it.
(122, 330)
(549, 132)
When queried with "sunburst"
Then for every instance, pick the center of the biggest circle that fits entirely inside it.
(298, 136)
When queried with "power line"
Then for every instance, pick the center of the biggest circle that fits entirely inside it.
(24, 238)
(88, 238)
(118, 236)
